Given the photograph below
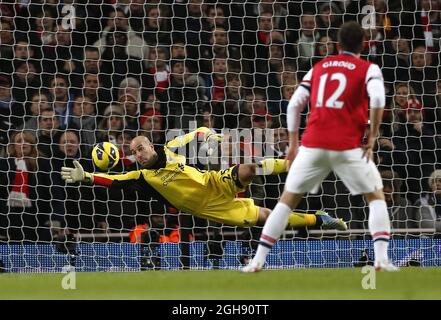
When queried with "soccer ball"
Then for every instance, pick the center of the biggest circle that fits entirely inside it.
(105, 155)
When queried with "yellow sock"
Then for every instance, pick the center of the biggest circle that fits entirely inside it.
(298, 220)
(273, 166)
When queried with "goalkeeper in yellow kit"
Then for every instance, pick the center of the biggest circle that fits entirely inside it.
(205, 194)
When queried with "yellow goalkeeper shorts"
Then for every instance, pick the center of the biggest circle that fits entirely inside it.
(222, 205)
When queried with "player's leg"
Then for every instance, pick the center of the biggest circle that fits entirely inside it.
(247, 172)
(362, 177)
(379, 227)
(309, 168)
(272, 166)
(319, 219)
(273, 229)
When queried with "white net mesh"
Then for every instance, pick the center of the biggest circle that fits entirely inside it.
(76, 73)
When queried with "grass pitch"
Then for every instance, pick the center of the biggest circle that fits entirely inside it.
(410, 283)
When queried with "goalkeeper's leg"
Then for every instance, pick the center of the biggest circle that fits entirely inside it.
(299, 220)
(247, 172)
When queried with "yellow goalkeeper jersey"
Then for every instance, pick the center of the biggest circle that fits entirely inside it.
(170, 179)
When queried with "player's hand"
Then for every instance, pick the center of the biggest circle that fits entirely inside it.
(213, 137)
(73, 175)
(212, 140)
(291, 155)
(368, 148)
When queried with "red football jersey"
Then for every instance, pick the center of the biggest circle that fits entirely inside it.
(339, 102)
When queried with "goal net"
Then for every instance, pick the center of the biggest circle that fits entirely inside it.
(77, 73)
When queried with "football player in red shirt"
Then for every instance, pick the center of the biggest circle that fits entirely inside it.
(340, 89)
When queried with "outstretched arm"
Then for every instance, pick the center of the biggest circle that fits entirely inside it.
(209, 136)
(296, 104)
(377, 101)
(77, 174)
(181, 141)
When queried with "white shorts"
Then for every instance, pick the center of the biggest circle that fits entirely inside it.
(312, 166)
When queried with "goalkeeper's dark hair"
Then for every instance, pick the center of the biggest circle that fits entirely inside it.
(351, 37)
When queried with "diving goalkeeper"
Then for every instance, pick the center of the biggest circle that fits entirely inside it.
(205, 194)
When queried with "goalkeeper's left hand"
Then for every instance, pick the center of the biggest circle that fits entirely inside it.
(212, 140)
(77, 174)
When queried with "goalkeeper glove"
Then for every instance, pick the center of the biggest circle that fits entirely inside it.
(77, 174)
(212, 139)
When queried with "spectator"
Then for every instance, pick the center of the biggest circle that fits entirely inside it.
(305, 46)
(156, 29)
(215, 17)
(280, 146)
(126, 158)
(61, 99)
(395, 115)
(386, 23)
(27, 197)
(281, 107)
(186, 94)
(261, 120)
(23, 51)
(323, 48)
(428, 19)
(416, 149)
(11, 111)
(159, 68)
(48, 133)
(153, 103)
(84, 120)
(279, 11)
(38, 103)
(112, 123)
(233, 101)
(136, 47)
(117, 64)
(178, 49)
(152, 126)
(329, 20)
(217, 46)
(45, 31)
(97, 94)
(130, 86)
(373, 44)
(61, 58)
(6, 47)
(207, 119)
(136, 13)
(91, 62)
(423, 71)
(218, 79)
(396, 61)
(65, 52)
(79, 201)
(269, 46)
(196, 30)
(26, 79)
(131, 109)
(259, 102)
(428, 207)
(274, 184)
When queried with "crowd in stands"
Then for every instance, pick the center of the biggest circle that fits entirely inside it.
(75, 73)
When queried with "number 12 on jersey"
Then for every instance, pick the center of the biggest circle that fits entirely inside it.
(332, 101)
